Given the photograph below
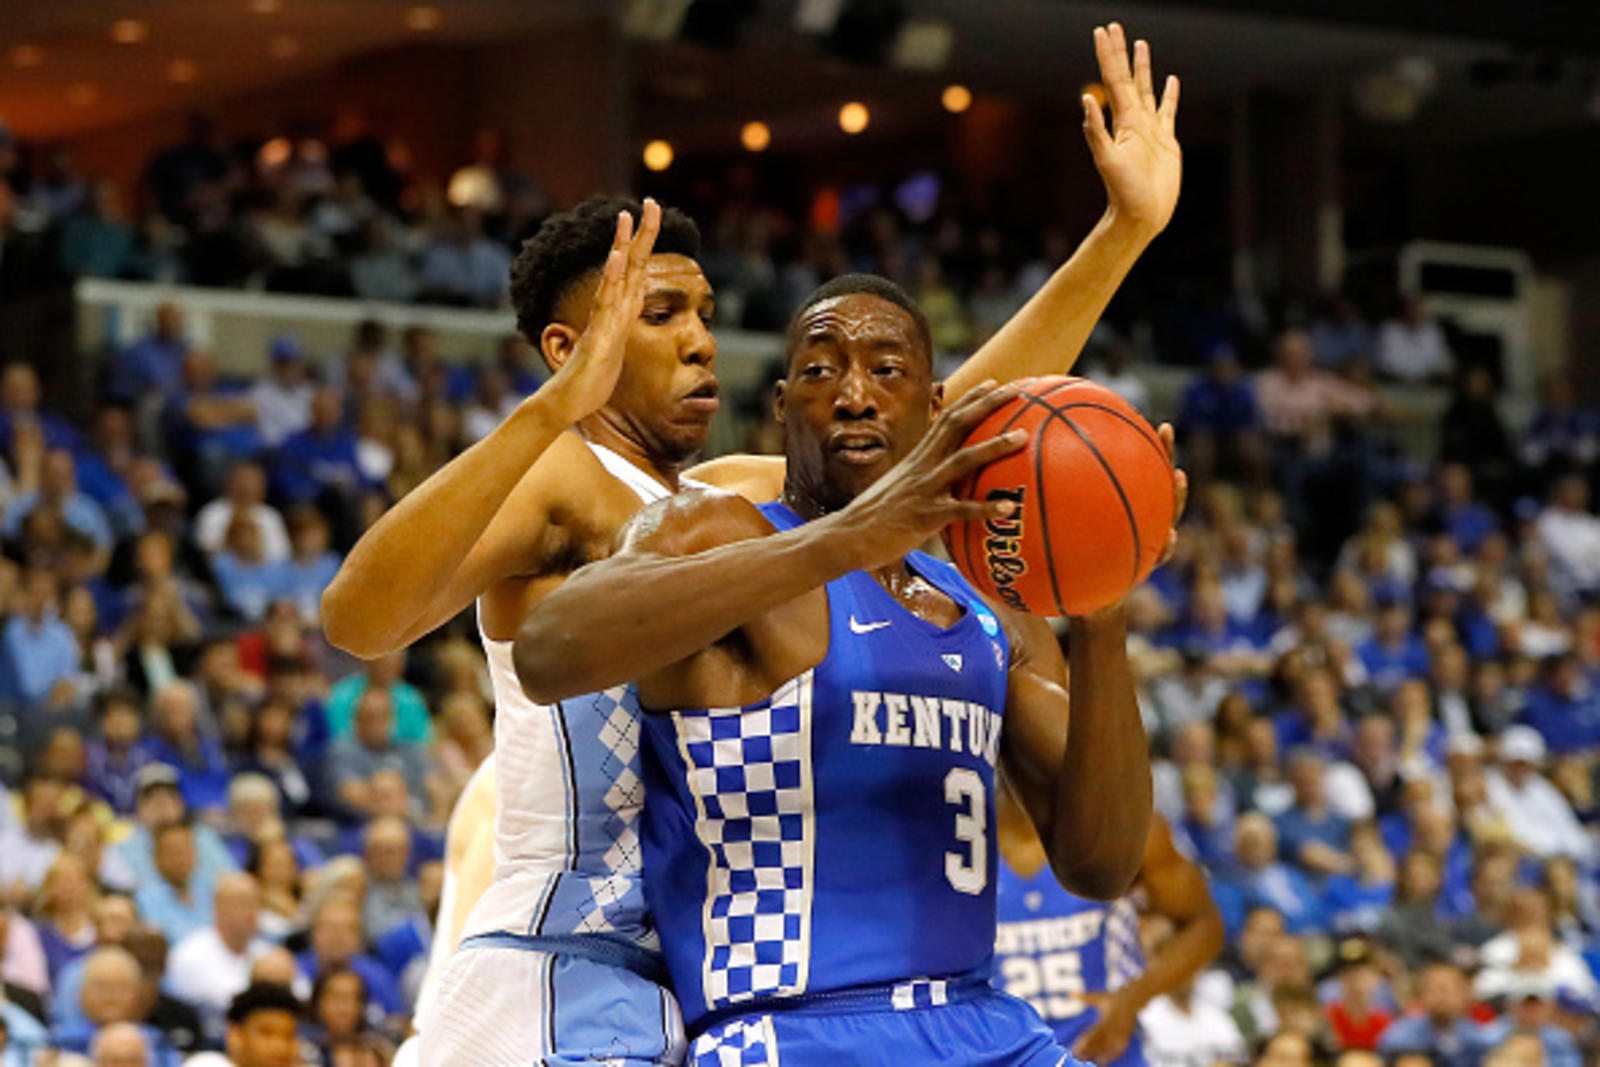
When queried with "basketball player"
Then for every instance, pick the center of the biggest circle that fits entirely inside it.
(819, 810)
(563, 926)
(1079, 962)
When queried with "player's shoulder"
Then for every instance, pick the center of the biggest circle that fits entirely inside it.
(758, 478)
(693, 521)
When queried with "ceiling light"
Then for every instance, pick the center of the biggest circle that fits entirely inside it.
(182, 71)
(755, 136)
(658, 155)
(82, 94)
(854, 116)
(130, 31)
(283, 47)
(24, 56)
(266, 7)
(424, 18)
(956, 98)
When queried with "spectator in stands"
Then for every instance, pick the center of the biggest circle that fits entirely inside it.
(264, 1027)
(339, 1006)
(41, 648)
(405, 946)
(1565, 708)
(30, 846)
(246, 495)
(1529, 1028)
(1339, 335)
(1460, 514)
(154, 363)
(212, 965)
(462, 266)
(1441, 1029)
(174, 902)
(411, 720)
(255, 812)
(271, 754)
(314, 563)
(1356, 902)
(1571, 535)
(1394, 654)
(1539, 816)
(99, 242)
(175, 739)
(120, 1045)
(24, 422)
(64, 913)
(1220, 424)
(111, 995)
(1411, 346)
(1528, 953)
(382, 270)
(336, 942)
(210, 423)
(1309, 835)
(24, 974)
(1412, 928)
(57, 490)
(391, 893)
(248, 580)
(320, 462)
(1265, 881)
(161, 802)
(283, 399)
(274, 863)
(1561, 438)
(371, 748)
(1357, 1016)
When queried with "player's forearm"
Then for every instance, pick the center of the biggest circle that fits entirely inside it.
(393, 573)
(627, 617)
(1102, 794)
(1191, 950)
(1047, 335)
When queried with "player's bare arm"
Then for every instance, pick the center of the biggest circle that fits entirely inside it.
(1141, 164)
(1074, 749)
(1176, 888)
(428, 556)
(692, 570)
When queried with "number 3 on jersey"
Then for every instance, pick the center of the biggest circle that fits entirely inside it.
(968, 873)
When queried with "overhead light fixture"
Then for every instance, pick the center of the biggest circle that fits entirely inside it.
(923, 44)
(25, 56)
(182, 71)
(654, 20)
(956, 98)
(424, 18)
(657, 155)
(82, 94)
(853, 117)
(130, 31)
(817, 16)
(283, 47)
(755, 136)
(266, 7)
(275, 153)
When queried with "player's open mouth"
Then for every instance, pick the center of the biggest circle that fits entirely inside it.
(703, 398)
(862, 448)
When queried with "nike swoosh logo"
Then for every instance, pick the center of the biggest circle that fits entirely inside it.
(865, 627)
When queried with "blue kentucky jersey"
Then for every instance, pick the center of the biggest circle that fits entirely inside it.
(1053, 947)
(837, 833)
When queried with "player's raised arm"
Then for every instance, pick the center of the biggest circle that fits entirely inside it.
(1176, 888)
(694, 568)
(1142, 166)
(422, 562)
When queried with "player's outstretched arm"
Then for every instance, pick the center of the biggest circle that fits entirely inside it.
(1177, 889)
(694, 568)
(1073, 747)
(1142, 167)
(423, 561)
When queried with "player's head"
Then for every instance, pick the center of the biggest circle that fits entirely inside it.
(859, 391)
(264, 1027)
(664, 398)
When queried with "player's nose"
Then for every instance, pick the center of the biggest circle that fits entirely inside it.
(855, 398)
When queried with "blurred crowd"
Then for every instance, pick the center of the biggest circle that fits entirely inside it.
(1371, 676)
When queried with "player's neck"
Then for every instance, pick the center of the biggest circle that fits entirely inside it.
(608, 433)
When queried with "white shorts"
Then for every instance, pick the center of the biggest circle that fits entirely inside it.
(502, 1006)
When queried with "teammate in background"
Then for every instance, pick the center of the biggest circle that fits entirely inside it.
(819, 811)
(564, 923)
(1079, 962)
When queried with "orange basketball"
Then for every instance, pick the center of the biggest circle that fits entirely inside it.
(1094, 500)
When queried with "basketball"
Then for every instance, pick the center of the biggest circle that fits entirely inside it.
(1093, 489)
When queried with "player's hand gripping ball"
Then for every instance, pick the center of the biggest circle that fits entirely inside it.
(1094, 496)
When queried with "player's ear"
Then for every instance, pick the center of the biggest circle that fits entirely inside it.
(556, 343)
(936, 399)
(779, 396)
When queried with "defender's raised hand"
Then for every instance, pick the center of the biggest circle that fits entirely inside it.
(1138, 158)
(585, 381)
(915, 500)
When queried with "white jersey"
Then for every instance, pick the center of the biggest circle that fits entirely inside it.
(567, 800)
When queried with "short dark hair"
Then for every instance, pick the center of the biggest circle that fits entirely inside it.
(574, 244)
(262, 996)
(870, 285)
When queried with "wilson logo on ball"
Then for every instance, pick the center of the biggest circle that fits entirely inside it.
(1002, 547)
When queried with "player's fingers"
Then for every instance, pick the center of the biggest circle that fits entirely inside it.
(609, 291)
(1169, 105)
(964, 462)
(976, 406)
(1094, 126)
(1116, 73)
(1168, 438)
(980, 510)
(1180, 493)
(644, 241)
(1141, 74)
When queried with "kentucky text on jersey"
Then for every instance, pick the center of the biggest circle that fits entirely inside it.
(1049, 935)
(909, 721)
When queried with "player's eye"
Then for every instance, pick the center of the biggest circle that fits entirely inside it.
(888, 370)
(657, 316)
(814, 370)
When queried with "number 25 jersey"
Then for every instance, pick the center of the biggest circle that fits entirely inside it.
(838, 833)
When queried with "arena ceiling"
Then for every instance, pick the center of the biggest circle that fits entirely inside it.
(62, 71)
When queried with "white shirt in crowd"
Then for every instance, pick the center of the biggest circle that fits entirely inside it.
(281, 410)
(1413, 353)
(211, 529)
(1573, 539)
(1539, 817)
(1500, 975)
(1199, 1036)
(204, 971)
